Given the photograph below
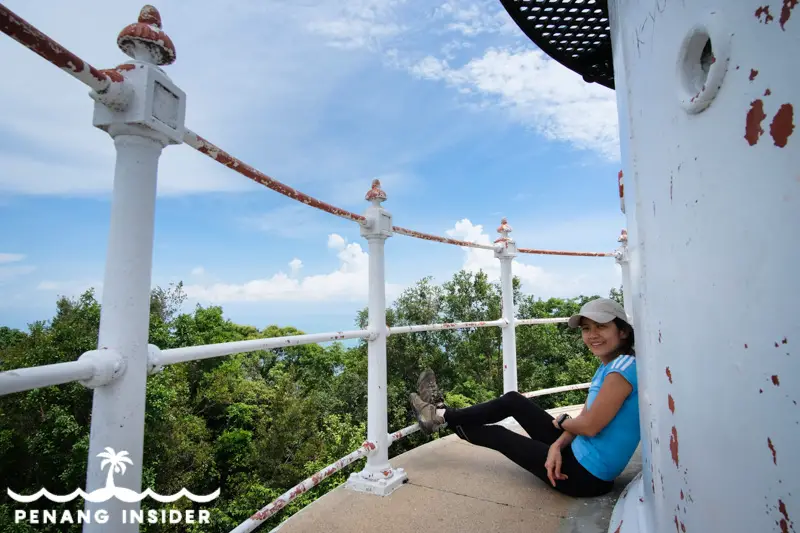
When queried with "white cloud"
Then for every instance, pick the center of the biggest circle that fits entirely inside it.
(537, 91)
(476, 18)
(566, 277)
(356, 23)
(349, 282)
(11, 258)
(198, 271)
(336, 241)
(8, 273)
(498, 64)
(295, 265)
(71, 288)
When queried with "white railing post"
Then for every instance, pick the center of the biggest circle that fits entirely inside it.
(142, 120)
(506, 250)
(378, 476)
(623, 261)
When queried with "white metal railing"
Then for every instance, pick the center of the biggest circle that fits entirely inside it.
(206, 351)
(22, 379)
(143, 111)
(396, 330)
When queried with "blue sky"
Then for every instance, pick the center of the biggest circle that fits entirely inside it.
(462, 119)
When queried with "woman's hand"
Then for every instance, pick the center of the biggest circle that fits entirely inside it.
(553, 464)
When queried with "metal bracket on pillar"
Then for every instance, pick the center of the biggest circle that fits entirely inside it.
(154, 365)
(107, 365)
(505, 249)
(378, 476)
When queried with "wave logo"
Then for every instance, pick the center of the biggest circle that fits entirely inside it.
(116, 465)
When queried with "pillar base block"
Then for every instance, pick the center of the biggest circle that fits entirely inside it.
(380, 485)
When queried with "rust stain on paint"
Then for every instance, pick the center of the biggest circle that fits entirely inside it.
(753, 74)
(677, 528)
(786, 12)
(669, 375)
(776, 381)
(683, 528)
(764, 10)
(782, 125)
(113, 75)
(619, 527)
(752, 128)
(785, 521)
(659, 336)
(673, 445)
(772, 449)
(767, 92)
(745, 346)
(671, 403)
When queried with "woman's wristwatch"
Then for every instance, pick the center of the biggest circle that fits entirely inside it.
(560, 420)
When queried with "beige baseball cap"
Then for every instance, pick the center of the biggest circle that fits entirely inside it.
(601, 310)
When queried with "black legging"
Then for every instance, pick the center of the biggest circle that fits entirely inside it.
(529, 453)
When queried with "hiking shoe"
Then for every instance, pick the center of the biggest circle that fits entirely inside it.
(425, 412)
(428, 390)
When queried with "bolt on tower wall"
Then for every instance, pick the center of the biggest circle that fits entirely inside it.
(707, 92)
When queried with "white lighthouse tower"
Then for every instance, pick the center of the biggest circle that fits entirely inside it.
(707, 92)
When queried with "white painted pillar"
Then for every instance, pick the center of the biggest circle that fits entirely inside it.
(506, 250)
(707, 98)
(378, 476)
(141, 127)
(118, 408)
(623, 261)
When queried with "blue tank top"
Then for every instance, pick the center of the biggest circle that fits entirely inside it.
(607, 454)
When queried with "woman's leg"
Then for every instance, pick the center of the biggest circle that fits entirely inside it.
(533, 419)
(531, 455)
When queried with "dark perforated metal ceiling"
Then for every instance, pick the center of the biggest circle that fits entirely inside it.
(575, 33)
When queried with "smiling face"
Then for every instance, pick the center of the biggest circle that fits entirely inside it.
(604, 340)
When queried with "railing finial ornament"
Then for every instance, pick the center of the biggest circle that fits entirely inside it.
(504, 230)
(146, 41)
(376, 195)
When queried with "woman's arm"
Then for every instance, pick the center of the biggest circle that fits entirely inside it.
(566, 437)
(604, 408)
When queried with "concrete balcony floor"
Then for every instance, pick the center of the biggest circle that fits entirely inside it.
(455, 486)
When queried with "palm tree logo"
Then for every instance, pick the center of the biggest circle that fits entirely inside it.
(116, 464)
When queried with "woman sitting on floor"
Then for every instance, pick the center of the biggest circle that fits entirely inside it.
(579, 456)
